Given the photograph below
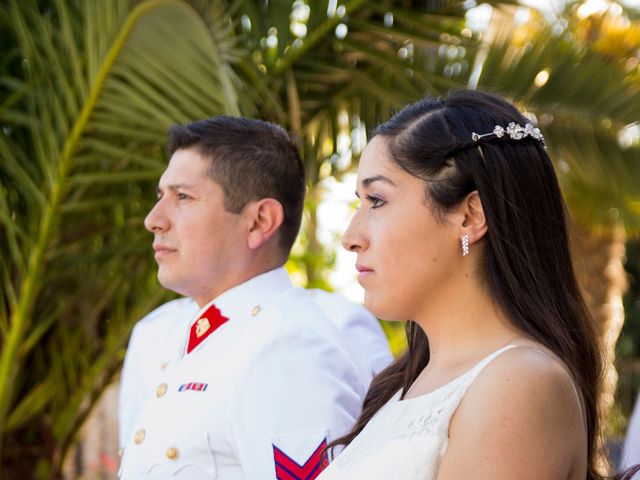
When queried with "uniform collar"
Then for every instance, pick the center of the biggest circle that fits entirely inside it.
(240, 300)
(248, 298)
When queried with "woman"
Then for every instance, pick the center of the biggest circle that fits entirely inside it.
(462, 229)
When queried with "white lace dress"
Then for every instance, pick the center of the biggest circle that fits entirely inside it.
(405, 439)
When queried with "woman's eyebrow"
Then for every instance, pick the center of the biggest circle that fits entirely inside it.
(377, 178)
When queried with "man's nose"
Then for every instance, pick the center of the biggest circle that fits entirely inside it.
(156, 220)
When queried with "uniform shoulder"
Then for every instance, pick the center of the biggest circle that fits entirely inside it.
(295, 316)
(331, 300)
(341, 310)
(297, 309)
(291, 334)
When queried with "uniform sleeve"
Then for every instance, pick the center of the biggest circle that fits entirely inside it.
(367, 340)
(301, 393)
(131, 395)
(631, 451)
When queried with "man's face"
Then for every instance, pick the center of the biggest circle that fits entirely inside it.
(198, 244)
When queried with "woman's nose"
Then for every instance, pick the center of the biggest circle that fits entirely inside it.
(353, 239)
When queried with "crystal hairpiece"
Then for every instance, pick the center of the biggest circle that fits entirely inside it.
(513, 130)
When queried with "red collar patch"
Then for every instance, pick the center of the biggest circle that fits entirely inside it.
(208, 323)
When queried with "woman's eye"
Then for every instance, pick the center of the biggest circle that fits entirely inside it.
(375, 201)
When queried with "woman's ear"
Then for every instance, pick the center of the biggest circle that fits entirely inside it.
(474, 224)
(265, 217)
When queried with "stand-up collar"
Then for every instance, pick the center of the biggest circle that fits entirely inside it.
(246, 299)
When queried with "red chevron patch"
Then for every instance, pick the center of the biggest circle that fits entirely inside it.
(289, 469)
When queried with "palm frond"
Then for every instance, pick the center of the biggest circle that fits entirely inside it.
(81, 153)
(582, 105)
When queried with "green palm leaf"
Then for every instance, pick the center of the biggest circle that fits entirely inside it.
(582, 106)
(81, 153)
(389, 57)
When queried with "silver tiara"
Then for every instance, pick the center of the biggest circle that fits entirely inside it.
(514, 131)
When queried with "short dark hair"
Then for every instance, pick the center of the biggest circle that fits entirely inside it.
(251, 160)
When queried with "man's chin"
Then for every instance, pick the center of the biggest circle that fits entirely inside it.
(168, 282)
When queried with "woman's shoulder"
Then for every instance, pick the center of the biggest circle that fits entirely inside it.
(535, 358)
(528, 373)
(521, 408)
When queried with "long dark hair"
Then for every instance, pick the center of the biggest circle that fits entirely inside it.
(527, 264)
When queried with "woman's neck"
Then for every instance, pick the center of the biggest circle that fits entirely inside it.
(464, 325)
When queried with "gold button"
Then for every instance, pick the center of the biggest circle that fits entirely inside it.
(138, 438)
(173, 453)
(121, 452)
(255, 310)
(161, 390)
(163, 365)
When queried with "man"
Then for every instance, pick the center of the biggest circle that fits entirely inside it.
(360, 332)
(155, 343)
(631, 447)
(262, 382)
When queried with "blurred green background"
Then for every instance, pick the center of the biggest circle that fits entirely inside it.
(88, 89)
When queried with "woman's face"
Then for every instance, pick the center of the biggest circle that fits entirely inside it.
(405, 255)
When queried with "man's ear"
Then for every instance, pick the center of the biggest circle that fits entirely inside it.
(474, 224)
(265, 217)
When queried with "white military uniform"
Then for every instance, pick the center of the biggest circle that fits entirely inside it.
(156, 341)
(360, 332)
(631, 448)
(262, 383)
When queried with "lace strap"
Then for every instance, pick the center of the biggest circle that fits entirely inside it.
(473, 373)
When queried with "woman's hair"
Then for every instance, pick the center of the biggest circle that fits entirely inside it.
(526, 263)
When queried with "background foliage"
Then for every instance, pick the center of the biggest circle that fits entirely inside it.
(629, 344)
(88, 89)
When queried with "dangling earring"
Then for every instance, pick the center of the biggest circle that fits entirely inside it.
(465, 245)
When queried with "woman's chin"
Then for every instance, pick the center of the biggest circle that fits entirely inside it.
(381, 309)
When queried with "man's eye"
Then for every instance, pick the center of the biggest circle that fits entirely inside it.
(182, 196)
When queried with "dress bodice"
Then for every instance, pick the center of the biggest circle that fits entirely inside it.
(405, 439)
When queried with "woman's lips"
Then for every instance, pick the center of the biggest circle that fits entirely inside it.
(363, 271)
(162, 251)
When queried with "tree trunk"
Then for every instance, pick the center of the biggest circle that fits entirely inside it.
(598, 260)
